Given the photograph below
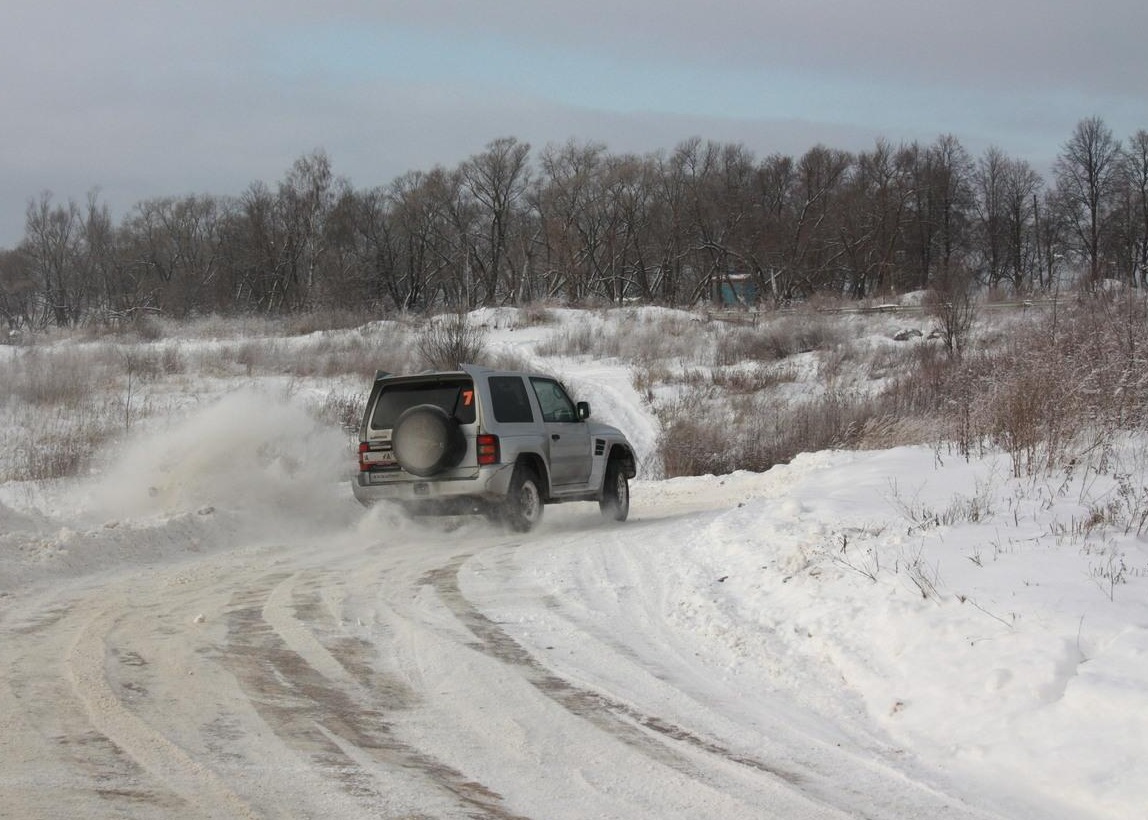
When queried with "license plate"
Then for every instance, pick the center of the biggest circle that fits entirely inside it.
(384, 457)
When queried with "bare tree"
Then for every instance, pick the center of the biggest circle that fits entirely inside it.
(174, 256)
(1053, 241)
(633, 192)
(1021, 186)
(257, 250)
(1130, 223)
(429, 229)
(1087, 173)
(53, 244)
(812, 249)
(723, 196)
(940, 199)
(670, 231)
(18, 289)
(305, 199)
(776, 192)
(586, 224)
(991, 234)
(950, 196)
(873, 219)
(101, 265)
(571, 200)
(1005, 241)
(497, 179)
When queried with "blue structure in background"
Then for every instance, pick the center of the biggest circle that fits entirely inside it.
(738, 289)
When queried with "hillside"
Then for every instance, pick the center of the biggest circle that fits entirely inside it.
(862, 577)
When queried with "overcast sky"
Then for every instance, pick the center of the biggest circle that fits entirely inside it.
(146, 99)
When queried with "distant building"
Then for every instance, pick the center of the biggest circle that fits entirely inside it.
(737, 289)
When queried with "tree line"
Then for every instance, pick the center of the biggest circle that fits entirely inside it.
(578, 224)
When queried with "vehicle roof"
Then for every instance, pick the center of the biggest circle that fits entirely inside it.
(472, 370)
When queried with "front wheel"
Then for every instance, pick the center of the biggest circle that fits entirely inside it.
(615, 501)
(523, 507)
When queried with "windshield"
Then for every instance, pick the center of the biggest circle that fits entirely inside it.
(456, 398)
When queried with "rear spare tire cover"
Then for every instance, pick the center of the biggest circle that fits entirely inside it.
(427, 441)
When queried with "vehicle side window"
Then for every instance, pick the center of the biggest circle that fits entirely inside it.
(556, 405)
(510, 400)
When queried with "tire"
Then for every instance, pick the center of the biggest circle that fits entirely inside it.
(523, 507)
(427, 441)
(615, 501)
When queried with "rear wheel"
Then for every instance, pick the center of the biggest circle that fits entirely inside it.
(615, 501)
(522, 509)
(427, 441)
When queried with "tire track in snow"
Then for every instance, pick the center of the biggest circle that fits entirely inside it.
(193, 782)
(628, 724)
(290, 658)
(813, 765)
(53, 755)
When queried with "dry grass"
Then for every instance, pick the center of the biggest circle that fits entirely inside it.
(778, 337)
(60, 406)
(62, 403)
(385, 346)
(66, 397)
(1050, 389)
(714, 432)
(537, 313)
(1055, 386)
(641, 337)
(342, 409)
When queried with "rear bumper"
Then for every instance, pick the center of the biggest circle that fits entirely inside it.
(449, 492)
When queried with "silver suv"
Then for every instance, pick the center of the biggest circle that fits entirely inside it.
(494, 442)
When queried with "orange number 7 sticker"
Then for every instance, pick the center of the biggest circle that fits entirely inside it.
(467, 398)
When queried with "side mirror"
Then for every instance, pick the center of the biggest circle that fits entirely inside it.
(583, 408)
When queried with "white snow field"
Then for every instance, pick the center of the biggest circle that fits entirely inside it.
(208, 626)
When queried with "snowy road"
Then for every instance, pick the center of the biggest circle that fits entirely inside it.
(425, 673)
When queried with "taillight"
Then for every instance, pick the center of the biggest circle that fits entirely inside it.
(364, 448)
(487, 447)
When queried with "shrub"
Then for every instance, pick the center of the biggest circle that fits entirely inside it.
(343, 410)
(321, 319)
(59, 441)
(580, 340)
(537, 313)
(48, 377)
(952, 306)
(446, 343)
(744, 345)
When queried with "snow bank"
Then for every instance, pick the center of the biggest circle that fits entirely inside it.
(989, 646)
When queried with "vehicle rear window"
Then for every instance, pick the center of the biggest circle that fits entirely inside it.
(510, 400)
(455, 398)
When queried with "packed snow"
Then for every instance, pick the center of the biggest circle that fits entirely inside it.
(974, 630)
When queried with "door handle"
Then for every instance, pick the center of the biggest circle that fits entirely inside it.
(554, 437)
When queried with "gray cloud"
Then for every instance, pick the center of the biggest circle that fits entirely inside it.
(1097, 45)
(147, 100)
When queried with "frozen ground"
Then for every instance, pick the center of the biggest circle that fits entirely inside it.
(210, 627)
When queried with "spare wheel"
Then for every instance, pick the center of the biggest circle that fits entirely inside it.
(427, 441)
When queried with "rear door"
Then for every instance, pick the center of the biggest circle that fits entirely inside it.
(568, 437)
(454, 395)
